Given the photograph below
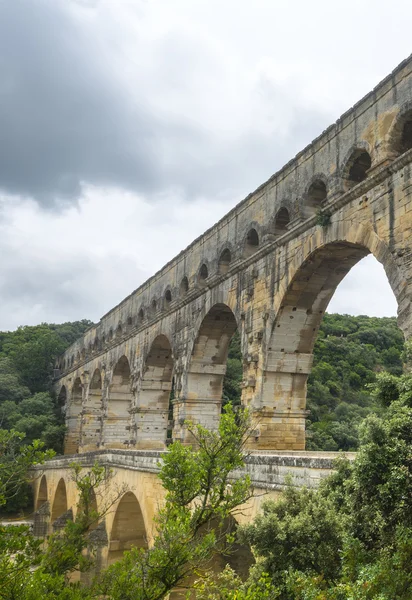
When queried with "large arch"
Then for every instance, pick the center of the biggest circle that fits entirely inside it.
(128, 529)
(288, 361)
(73, 418)
(91, 428)
(152, 410)
(207, 366)
(116, 427)
(59, 506)
(42, 493)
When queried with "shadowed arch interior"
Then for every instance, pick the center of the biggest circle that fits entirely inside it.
(91, 419)
(184, 286)
(151, 418)
(119, 404)
(251, 243)
(62, 397)
(357, 168)
(60, 501)
(203, 275)
(401, 137)
(289, 355)
(224, 261)
(281, 221)
(128, 528)
(316, 195)
(42, 495)
(207, 366)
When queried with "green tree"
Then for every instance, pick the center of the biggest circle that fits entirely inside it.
(200, 495)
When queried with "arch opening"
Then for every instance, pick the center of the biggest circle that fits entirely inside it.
(141, 316)
(358, 166)
(224, 261)
(73, 419)
(207, 367)
(316, 196)
(91, 428)
(184, 286)
(290, 347)
(251, 243)
(59, 506)
(401, 136)
(168, 297)
(119, 404)
(282, 220)
(42, 495)
(152, 412)
(203, 275)
(128, 528)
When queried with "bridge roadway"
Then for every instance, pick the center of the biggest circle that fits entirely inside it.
(130, 520)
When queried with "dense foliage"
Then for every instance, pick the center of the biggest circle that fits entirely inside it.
(27, 358)
(348, 354)
(351, 538)
(190, 526)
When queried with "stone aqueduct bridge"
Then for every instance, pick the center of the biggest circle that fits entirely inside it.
(268, 269)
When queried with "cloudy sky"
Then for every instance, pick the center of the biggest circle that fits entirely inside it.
(127, 127)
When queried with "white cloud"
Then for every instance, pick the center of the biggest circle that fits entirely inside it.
(184, 108)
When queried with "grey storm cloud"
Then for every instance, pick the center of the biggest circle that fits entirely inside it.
(62, 118)
(66, 119)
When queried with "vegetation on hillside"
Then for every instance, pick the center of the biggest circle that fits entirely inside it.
(351, 538)
(348, 355)
(27, 402)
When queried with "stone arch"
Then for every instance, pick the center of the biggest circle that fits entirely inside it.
(168, 296)
(152, 406)
(119, 404)
(42, 493)
(119, 330)
(62, 397)
(400, 136)
(184, 286)
(316, 195)
(96, 345)
(73, 418)
(153, 306)
(225, 259)
(313, 280)
(281, 221)
(357, 165)
(91, 428)
(59, 505)
(207, 366)
(203, 274)
(251, 243)
(128, 529)
(141, 316)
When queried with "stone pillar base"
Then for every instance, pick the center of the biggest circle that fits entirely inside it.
(274, 430)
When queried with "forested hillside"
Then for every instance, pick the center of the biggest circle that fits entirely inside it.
(27, 358)
(348, 354)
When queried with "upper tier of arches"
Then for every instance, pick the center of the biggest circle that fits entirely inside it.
(360, 161)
